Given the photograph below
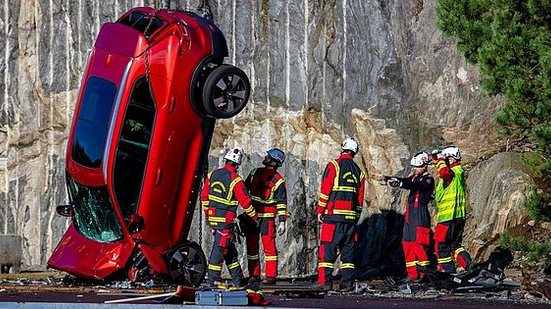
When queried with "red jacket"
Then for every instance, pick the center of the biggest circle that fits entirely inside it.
(222, 191)
(342, 192)
(268, 192)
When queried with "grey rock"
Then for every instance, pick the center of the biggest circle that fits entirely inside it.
(320, 71)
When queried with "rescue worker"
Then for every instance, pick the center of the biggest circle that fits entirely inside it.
(339, 208)
(269, 197)
(451, 210)
(416, 235)
(223, 191)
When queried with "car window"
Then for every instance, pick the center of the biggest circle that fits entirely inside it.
(93, 122)
(94, 216)
(133, 147)
(140, 22)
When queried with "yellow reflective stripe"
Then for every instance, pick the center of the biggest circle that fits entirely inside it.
(424, 263)
(218, 183)
(281, 212)
(326, 265)
(222, 201)
(337, 171)
(205, 203)
(255, 291)
(277, 184)
(233, 265)
(350, 174)
(250, 210)
(281, 206)
(322, 204)
(445, 260)
(274, 188)
(217, 219)
(457, 251)
(440, 164)
(347, 265)
(323, 196)
(410, 264)
(271, 257)
(232, 185)
(258, 199)
(344, 212)
(266, 215)
(345, 189)
(253, 257)
(215, 267)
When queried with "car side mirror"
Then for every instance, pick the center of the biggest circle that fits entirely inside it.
(65, 210)
(135, 224)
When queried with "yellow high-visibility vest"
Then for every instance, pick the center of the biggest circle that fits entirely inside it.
(451, 201)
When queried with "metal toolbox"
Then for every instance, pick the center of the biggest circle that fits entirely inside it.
(221, 298)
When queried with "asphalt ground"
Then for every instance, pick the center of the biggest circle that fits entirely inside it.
(36, 297)
(52, 290)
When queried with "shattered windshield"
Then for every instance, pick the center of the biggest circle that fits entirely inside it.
(94, 216)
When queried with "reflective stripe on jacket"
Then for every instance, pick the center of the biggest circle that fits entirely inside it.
(342, 190)
(268, 192)
(223, 191)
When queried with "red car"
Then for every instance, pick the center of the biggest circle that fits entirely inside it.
(137, 150)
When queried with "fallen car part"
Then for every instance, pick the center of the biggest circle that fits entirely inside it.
(127, 300)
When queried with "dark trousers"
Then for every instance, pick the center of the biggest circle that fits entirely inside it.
(447, 244)
(224, 249)
(333, 236)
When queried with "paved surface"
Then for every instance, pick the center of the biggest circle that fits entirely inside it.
(91, 299)
(51, 290)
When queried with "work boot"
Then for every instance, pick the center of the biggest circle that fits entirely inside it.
(346, 287)
(254, 279)
(325, 287)
(269, 280)
(242, 283)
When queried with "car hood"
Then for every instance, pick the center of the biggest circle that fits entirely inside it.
(83, 257)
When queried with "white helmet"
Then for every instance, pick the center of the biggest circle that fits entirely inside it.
(350, 144)
(452, 151)
(234, 155)
(420, 159)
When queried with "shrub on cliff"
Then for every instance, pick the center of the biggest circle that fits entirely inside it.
(510, 40)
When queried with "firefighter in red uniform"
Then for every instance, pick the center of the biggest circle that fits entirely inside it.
(339, 207)
(269, 197)
(416, 236)
(222, 191)
(451, 203)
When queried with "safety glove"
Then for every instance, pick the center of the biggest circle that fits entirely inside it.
(281, 228)
(393, 182)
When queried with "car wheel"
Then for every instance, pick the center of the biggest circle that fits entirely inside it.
(187, 264)
(226, 91)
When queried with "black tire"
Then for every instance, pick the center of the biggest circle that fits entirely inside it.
(226, 91)
(187, 264)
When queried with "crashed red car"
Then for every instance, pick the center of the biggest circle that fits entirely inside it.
(153, 86)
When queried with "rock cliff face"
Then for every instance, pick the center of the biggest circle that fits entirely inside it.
(321, 70)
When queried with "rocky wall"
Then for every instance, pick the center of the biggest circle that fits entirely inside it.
(320, 70)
